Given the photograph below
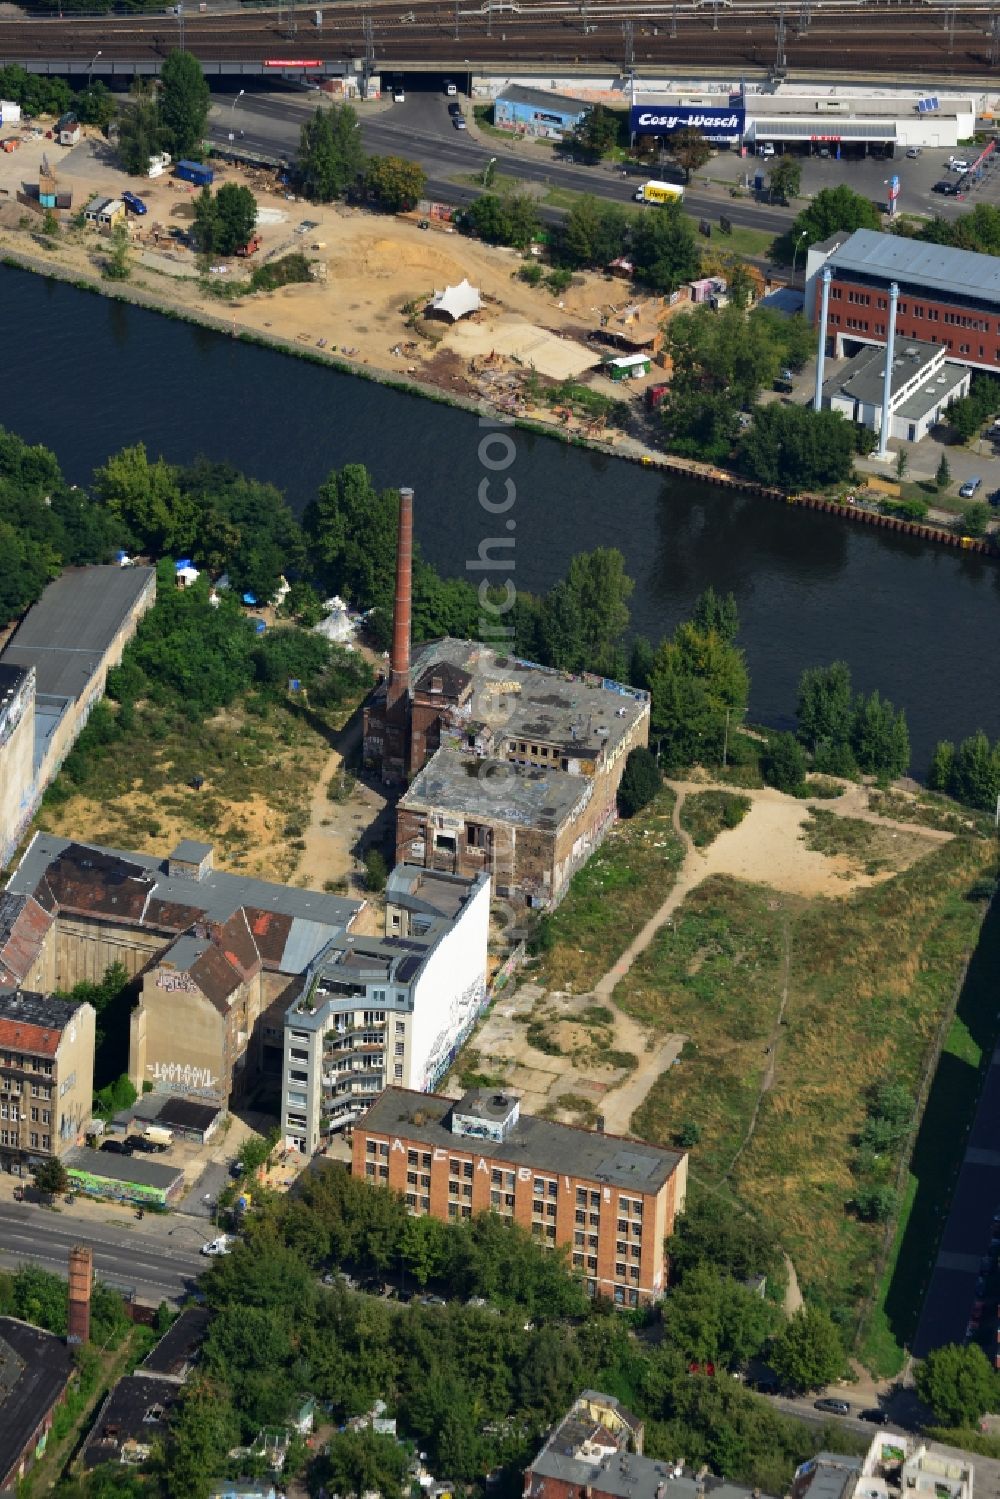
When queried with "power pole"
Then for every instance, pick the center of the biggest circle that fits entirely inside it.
(180, 24)
(805, 16)
(673, 21)
(628, 35)
(994, 37)
(779, 32)
(715, 15)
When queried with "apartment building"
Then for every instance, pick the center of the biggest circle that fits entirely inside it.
(381, 1009)
(46, 1076)
(610, 1201)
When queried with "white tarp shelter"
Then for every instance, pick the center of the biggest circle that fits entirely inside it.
(456, 301)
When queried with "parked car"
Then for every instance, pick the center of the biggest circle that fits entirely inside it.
(214, 1247)
(450, 88)
(947, 189)
(823, 151)
(913, 152)
(832, 1407)
(236, 1169)
(432, 1301)
(454, 109)
(458, 122)
(144, 1146)
(134, 204)
(766, 149)
(117, 1147)
(970, 488)
(875, 1416)
(958, 164)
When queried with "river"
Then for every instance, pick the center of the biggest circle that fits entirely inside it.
(88, 376)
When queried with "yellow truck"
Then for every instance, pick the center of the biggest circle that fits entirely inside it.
(658, 192)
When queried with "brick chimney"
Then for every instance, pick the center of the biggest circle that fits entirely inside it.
(399, 661)
(81, 1277)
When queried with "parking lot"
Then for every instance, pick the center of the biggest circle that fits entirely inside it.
(870, 175)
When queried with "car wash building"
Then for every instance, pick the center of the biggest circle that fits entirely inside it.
(810, 124)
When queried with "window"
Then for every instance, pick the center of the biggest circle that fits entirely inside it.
(400, 1048)
(494, 1199)
(383, 1172)
(550, 1209)
(578, 1262)
(371, 1148)
(591, 1261)
(425, 1203)
(455, 1167)
(466, 1189)
(453, 1189)
(623, 1225)
(411, 1157)
(425, 1179)
(34, 1116)
(466, 1212)
(620, 1269)
(411, 1178)
(398, 1070)
(467, 1170)
(581, 1197)
(553, 1189)
(453, 1210)
(550, 1231)
(383, 1149)
(595, 1199)
(636, 1251)
(34, 1141)
(538, 1187)
(633, 1274)
(621, 1247)
(580, 1217)
(46, 1117)
(595, 1220)
(400, 1027)
(578, 1239)
(370, 1169)
(425, 1160)
(591, 1241)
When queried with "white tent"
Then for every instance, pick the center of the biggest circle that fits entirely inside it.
(456, 301)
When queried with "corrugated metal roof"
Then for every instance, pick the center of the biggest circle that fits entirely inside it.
(957, 273)
(305, 939)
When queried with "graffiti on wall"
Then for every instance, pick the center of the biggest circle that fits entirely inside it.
(183, 1076)
(172, 982)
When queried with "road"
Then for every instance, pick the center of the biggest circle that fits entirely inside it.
(157, 1259)
(421, 130)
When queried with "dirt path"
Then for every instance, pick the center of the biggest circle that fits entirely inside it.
(767, 1081)
(334, 827)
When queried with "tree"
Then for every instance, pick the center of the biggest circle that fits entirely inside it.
(939, 775)
(202, 1430)
(51, 1177)
(594, 233)
(699, 686)
(50, 224)
(140, 135)
(95, 105)
(184, 102)
(975, 519)
(784, 178)
(798, 448)
(825, 711)
(331, 153)
(117, 266)
(508, 220)
(808, 1353)
(664, 248)
(361, 1462)
(784, 763)
(224, 223)
(146, 497)
(718, 612)
(351, 531)
(880, 738)
(641, 780)
(600, 129)
(376, 872)
(957, 1383)
(396, 183)
(902, 463)
(690, 149)
(975, 772)
(875, 1204)
(943, 476)
(833, 209)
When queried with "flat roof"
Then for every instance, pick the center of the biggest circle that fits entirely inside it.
(46, 1011)
(430, 890)
(631, 1165)
(179, 1346)
(496, 791)
(136, 1410)
(67, 633)
(931, 267)
(863, 378)
(121, 1168)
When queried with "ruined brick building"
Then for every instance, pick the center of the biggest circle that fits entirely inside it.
(511, 768)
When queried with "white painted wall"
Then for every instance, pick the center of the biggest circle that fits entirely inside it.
(449, 990)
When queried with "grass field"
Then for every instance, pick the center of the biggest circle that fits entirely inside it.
(611, 898)
(705, 814)
(869, 978)
(865, 847)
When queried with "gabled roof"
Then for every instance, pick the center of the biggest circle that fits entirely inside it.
(35, 1367)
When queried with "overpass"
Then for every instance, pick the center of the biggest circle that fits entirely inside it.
(839, 38)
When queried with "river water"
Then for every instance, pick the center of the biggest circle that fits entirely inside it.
(88, 376)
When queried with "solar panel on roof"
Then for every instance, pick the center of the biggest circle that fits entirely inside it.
(407, 969)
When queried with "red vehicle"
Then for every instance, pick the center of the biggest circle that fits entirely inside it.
(250, 248)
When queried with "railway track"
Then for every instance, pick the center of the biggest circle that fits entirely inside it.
(839, 38)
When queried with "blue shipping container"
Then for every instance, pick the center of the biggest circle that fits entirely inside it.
(194, 171)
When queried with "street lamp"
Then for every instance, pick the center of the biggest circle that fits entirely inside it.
(232, 116)
(90, 69)
(795, 249)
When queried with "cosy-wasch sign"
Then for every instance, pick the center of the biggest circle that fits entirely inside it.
(722, 126)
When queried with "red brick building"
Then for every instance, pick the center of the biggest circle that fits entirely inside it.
(946, 296)
(611, 1201)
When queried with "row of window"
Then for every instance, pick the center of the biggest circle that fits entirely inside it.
(917, 310)
(381, 1171)
(25, 1063)
(858, 326)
